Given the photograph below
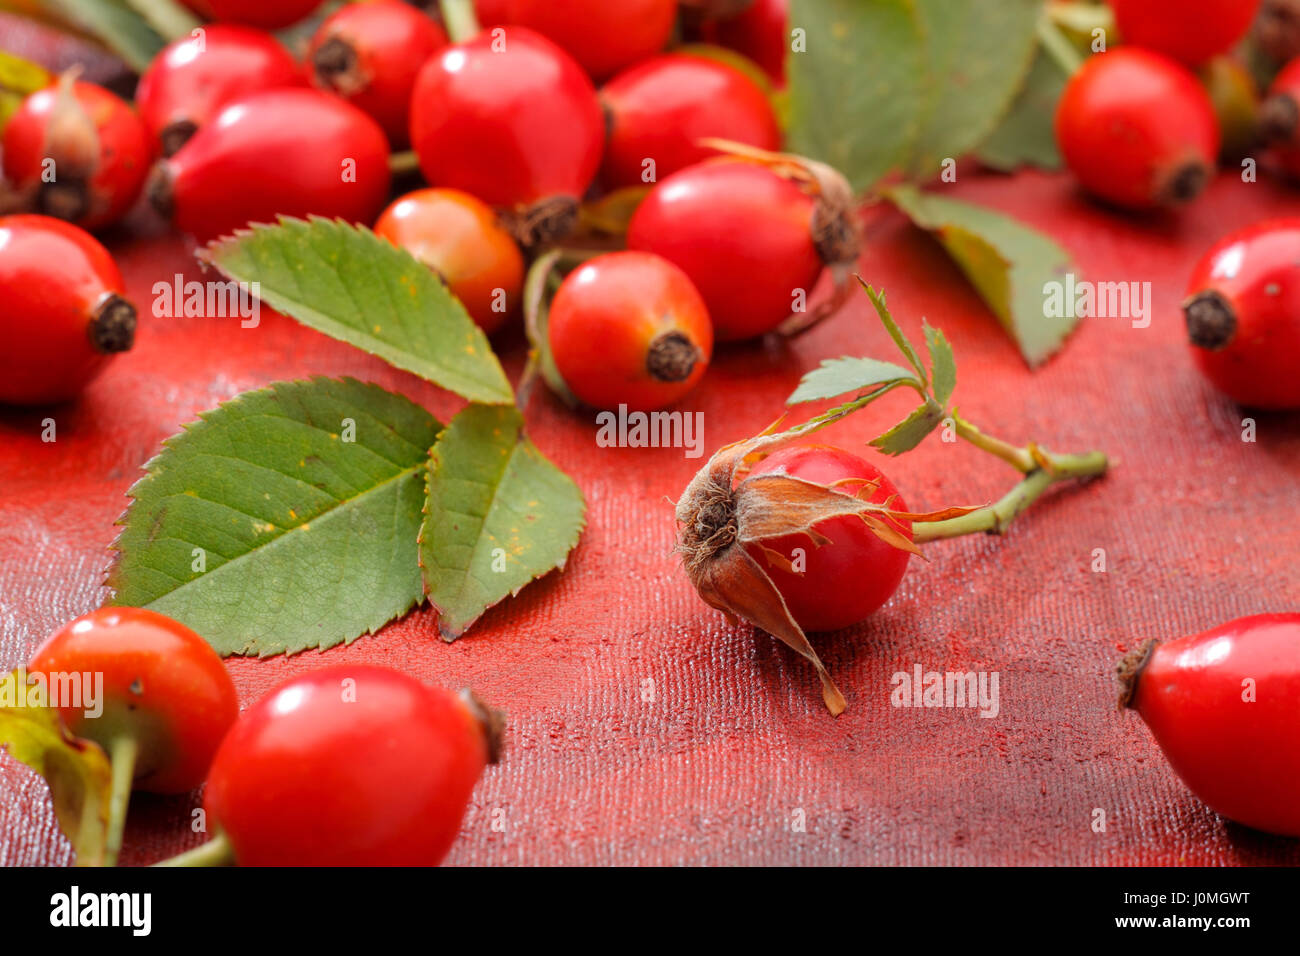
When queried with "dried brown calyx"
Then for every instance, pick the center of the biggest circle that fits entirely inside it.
(542, 223)
(725, 511)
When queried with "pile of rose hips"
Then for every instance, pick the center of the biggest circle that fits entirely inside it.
(350, 765)
(511, 134)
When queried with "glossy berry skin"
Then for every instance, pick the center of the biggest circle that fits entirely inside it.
(846, 580)
(1190, 31)
(351, 765)
(163, 685)
(266, 14)
(603, 37)
(1137, 129)
(370, 54)
(660, 109)
(100, 149)
(1222, 707)
(629, 328)
(189, 82)
(62, 311)
(511, 127)
(292, 152)
(1243, 314)
(461, 239)
(761, 32)
(742, 233)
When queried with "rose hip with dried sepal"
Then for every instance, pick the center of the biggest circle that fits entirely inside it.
(77, 152)
(1243, 314)
(63, 311)
(1224, 706)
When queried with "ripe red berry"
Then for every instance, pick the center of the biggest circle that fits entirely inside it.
(165, 691)
(462, 240)
(1222, 707)
(1190, 31)
(844, 580)
(352, 765)
(660, 109)
(77, 152)
(1137, 129)
(1279, 118)
(62, 311)
(629, 328)
(292, 152)
(752, 241)
(603, 37)
(509, 117)
(1243, 314)
(267, 14)
(370, 54)
(760, 31)
(190, 80)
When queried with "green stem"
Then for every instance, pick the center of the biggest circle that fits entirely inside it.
(1058, 46)
(216, 852)
(401, 163)
(997, 517)
(459, 18)
(171, 20)
(122, 755)
(1018, 458)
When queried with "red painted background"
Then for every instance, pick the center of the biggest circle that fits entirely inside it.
(1198, 527)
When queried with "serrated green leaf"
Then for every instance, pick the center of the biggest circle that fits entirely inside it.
(499, 515)
(1026, 136)
(1008, 263)
(943, 366)
(895, 333)
(837, 376)
(285, 518)
(856, 93)
(977, 56)
(908, 433)
(77, 771)
(113, 23)
(345, 281)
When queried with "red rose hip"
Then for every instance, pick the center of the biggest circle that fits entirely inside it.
(1190, 31)
(603, 37)
(1222, 706)
(1243, 314)
(1137, 129)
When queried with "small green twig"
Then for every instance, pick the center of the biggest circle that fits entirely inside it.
(1018, 458)
(171, 20)
(216, 852)
(122, 756)
(399, 164)
(460, 19)
(1058, 46)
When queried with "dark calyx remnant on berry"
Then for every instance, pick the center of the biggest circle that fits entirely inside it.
(336, 63)
(1278, 118)
(1211, 322)
(1186, 183)
(671, 357)
(1130, 669)
(158, 189)
(112, 327)
(543, 222)
(176, 134)
(491, 720)
(710, 525)
(67, 198)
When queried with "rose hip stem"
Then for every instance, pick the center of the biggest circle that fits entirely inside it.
(215, 852)
(1041, 469)
(460, 19)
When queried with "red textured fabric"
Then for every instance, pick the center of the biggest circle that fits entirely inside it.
(735, 745)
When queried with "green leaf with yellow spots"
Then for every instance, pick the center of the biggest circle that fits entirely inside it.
(346, 282)
(498, 515)
(284, 519)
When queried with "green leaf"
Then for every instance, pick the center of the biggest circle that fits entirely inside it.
(977, 57)
(1027, 136)
(77, 771)
(943, 366)
(1008, 263)
(18, 79)
(856, 93)
(499, 515)
(895, 333)
(286, 518)
(117, 26)
(908, 433)
(348, 283)
(841, 375)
